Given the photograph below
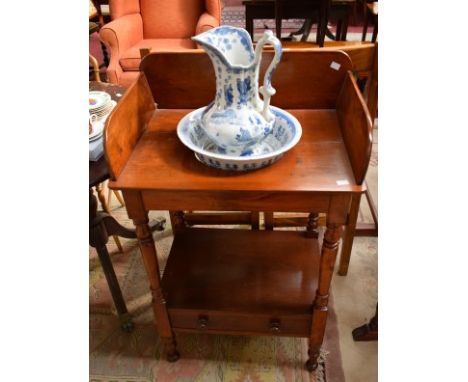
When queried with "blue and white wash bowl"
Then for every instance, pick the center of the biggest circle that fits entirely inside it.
(238, 117)
(286, 132)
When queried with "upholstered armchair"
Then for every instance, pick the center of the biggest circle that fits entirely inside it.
(158, 25)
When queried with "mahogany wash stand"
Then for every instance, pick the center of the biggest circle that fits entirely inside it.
(242, 282)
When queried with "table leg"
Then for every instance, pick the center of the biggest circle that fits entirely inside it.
(344, 31)
(319, 316)
(150, 259)
(124, 316)
(249, 23)
(348, 236)
(312, 225)
(98, 237)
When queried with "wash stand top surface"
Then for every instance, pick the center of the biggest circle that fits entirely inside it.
(144, 152)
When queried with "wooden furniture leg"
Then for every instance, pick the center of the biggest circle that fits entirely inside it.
(322, 23)
(117, 195)
(249, 22)
(98, 237)
(105, 207)
(319, 316)
(369, 229)
(177, 221)
(348, 237)
(368, 332)
(255, 220)
(306, 29)
(105, 55)
(94, 63)
(278, 17)
(366, 24)
(312, 225)
(139, 216)
(101, 225)
(269, 221)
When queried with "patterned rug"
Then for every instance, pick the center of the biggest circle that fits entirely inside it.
(116, 356)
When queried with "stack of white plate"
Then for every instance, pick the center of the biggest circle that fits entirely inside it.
(98, 129)
(100, 104)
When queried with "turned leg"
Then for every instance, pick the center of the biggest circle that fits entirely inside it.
(319, 316)
(177, 221)
(269, 221)
(105, 207)
(348, 236)
(312, 226)
(255, 219)
(119, 197)
(150, 259)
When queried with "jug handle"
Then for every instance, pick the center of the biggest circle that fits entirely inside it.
(267, 90)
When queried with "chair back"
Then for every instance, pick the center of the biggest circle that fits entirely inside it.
(166, 19)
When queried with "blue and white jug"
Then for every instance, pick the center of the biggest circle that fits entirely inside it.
(238, 117)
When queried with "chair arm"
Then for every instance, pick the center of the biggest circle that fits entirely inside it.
(206, 22)
(120, 35)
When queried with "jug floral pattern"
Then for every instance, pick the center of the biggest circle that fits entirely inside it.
(238, 118)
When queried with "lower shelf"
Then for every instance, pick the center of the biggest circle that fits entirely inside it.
(242, 281)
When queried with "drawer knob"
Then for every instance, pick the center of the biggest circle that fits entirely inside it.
(202, 322)
(275, 326)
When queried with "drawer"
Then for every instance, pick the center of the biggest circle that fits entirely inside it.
(240, 323)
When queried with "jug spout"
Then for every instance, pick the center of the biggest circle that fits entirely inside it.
(233, 46)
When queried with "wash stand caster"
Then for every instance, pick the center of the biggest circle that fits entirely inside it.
(311, 365)
(127, 324)
(173, 357)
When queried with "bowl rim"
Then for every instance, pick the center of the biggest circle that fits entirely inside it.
(185, 139)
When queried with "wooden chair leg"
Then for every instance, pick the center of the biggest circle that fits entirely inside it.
(119, 197)
(109, 196)
(307, 27)
(278, 17)
(105, 207)
(375, 31)
(95, 65)
(366, 23)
